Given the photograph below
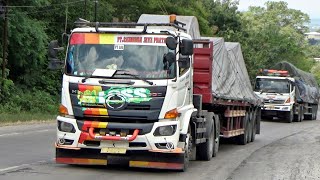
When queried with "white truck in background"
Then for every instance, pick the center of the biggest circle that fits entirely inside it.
(288, 93)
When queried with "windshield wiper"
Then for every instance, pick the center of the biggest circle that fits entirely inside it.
(124, 72)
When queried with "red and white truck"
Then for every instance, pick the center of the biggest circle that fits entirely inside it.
(152, 94)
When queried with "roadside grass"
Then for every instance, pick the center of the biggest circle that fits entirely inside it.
(25, 118)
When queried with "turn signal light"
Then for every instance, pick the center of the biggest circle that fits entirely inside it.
(173, 18)
(171, 114)
(287, 101)
(63, 110)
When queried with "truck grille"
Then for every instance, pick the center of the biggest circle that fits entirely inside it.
(273, 101)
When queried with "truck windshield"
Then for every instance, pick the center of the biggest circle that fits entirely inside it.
(145, 60)
(272, 85)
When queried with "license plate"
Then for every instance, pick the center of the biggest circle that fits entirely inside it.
(113, 150)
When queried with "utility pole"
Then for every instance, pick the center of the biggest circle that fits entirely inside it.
(5, 38)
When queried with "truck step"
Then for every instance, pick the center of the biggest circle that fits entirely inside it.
(201, 140)
(200, 120)
(201, 130)
(203, 113)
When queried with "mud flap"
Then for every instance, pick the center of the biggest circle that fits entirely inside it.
(140, 159)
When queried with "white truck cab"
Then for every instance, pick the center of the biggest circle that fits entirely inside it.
(278, 92)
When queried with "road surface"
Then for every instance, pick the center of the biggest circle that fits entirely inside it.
(282, 151)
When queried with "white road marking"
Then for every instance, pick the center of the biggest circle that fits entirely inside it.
(9, 134)
(12, 168)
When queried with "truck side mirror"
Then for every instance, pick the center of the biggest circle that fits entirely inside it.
(54, 61)
(184, 62)
(171, 43)
(186, 47)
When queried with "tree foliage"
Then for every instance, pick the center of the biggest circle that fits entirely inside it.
(274, 34)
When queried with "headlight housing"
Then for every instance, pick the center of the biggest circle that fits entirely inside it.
(165, 130)
(66, 127)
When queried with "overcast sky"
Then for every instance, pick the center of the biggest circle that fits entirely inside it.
(310, 7)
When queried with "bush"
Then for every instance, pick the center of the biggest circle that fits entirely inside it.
(19, 100)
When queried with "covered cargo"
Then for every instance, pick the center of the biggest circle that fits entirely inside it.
(230, 79)
(191, 22)
(308, 90)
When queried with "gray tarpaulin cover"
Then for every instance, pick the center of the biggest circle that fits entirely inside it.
(191, 22)
(308, 90)
(230, 79)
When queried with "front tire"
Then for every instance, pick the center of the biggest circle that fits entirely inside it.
(289, 116)
(205, 150)
(187, 151)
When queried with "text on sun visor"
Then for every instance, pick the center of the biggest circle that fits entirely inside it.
(134, 39)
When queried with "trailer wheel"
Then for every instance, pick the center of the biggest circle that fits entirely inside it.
(296, 117)
(249, 128)
(205, 150)
(314, 112)
(254, 126)
(301, 115)
(242, 139)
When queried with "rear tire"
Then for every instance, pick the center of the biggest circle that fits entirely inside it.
(254, 126)
(242, 139)
(296, 117)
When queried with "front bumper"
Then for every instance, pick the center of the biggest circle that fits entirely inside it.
(145, 150)
(276, 107)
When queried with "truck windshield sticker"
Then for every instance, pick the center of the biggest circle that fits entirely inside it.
(96, 38)
(113, 97)
(118, 47)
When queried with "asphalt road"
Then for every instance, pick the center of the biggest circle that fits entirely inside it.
(282, 151)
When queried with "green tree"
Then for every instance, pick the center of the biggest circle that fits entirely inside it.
(274, 34)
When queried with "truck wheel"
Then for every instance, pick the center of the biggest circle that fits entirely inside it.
(289, 116)
(314, 112)
(296, 117)
(205, 150)
(254, 127)
(249, 134)
(187, 151)
(242, 139)
(216, 143)
(301, 115)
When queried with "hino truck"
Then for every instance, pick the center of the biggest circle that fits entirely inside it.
(288, 93)
(151, 94)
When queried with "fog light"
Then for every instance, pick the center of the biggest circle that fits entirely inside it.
(165, 130)
(65, 127)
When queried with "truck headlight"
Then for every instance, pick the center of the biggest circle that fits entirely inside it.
(66, 127)
(165, 130)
